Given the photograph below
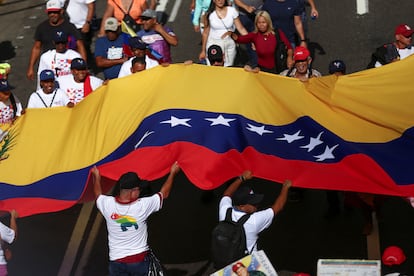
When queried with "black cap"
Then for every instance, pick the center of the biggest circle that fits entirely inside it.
(337, 66)
(60, 36)
(215, 53)
(5, 86)
(245, 195)
(78, 64)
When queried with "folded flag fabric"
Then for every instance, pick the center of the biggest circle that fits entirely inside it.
(352, 133)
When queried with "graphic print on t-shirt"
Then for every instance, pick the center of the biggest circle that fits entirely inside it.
(124, 221)
(75, 95)
(6, 114)
(61, 66)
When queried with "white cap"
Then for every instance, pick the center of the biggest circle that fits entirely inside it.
(53, 5)
(111, 24)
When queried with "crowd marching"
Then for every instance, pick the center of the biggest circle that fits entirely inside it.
(258, 35)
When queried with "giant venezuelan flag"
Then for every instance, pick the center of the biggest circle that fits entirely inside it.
(350, 133)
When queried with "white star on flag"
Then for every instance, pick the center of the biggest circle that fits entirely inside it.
(174, 121)
(327, 154)
(313, 142)
(291, 137)
(220, 120)
(259, 130)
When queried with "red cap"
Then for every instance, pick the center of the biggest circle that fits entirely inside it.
(236, 266)
(404, 29)
(393, 255)
(301, 53)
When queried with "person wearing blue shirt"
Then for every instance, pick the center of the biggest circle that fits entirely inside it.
(109, 50)
(286, 15)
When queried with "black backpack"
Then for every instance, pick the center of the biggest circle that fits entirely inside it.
(384, 54)
(228, 242)
(280, 54)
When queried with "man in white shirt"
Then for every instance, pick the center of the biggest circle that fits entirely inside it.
(81, 13)
(58, 60)
(242, 200)
(138, 49)
(48, 95)
(126, 217)
(399, 49)
(80, 83)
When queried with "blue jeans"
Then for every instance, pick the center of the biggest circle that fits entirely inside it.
(132, 269)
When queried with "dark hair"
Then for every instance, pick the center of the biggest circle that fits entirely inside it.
(140, 60)
(144, 189)
(211, 9)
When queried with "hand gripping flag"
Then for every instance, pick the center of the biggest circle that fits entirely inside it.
(352, 133)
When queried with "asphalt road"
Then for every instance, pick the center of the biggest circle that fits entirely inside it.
(61, 244)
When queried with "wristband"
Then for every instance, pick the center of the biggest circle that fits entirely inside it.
(303, 39)
(242, 179)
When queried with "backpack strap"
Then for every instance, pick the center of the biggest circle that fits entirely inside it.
(241, 220)
(277, 35)
(228, 215)
(122, 9)
(14, 105)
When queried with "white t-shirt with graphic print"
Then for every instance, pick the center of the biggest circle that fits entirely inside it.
(74, 89)
(6, 110)
(127, 224)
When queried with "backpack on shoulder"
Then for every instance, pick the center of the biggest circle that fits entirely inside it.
(384, 54)
(228, 242)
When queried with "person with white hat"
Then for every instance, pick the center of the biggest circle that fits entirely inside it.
(46, 31)
(110, 49)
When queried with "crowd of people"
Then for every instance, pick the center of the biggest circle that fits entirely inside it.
(267, 36)
(62, 49)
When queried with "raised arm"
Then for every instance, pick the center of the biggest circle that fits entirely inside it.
(246, 175)
(97, 188)
(13, 224)
(282, 198)
(171, 39)
(166, 187)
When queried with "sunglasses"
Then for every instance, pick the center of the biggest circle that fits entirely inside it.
(53, 12)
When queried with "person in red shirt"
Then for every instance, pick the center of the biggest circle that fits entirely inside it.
(264, 40)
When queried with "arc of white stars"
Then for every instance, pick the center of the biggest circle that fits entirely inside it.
(313, 142)
(220, 120)
(174, 121)
(327, 154)
(259, 130)
(291, 137)
(147, 133)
